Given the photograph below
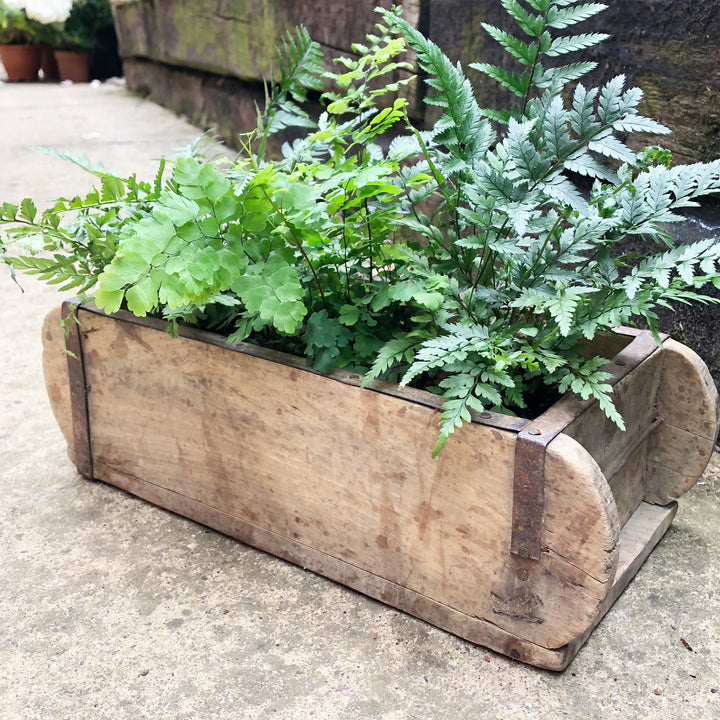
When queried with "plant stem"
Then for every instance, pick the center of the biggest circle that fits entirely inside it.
(298, 244)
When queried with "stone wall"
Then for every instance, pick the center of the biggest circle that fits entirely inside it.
(208, 60)
(189, 55)
(669, 48)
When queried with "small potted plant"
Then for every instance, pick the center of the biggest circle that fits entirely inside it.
(79, 37)
(327, 309)
(48, 17)
(19, 56)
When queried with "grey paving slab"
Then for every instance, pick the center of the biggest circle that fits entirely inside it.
(113, 609)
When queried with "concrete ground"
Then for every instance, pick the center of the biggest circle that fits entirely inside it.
(113, 609)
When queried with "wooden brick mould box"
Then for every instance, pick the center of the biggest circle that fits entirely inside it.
(519, 536)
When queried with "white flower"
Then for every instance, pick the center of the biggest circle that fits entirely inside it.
(48, 11)
(15, 4)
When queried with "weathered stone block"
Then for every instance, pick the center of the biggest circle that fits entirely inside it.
(238, 37)
(669, 49)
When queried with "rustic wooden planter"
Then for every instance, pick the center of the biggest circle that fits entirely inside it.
(519, 536)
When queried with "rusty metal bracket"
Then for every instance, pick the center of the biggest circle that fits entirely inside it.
(78, 389)
(529, 489)
(532, 440)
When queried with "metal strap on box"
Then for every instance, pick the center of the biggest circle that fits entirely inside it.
(78, 389)
(532, 441)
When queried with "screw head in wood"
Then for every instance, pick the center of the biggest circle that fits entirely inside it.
(523, 574)
(534, 432)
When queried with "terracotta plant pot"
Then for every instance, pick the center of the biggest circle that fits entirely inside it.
(48, 65)
(21, 62)
(73, 65)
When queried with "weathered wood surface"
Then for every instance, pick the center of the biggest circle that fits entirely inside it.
(669, 49)
(340, 480)
(208, 61)
(634, 397)
(239, 37)
(689, 405)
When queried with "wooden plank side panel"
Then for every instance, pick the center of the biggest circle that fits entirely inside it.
(470, 628)
(634, 396)
(237, 434)
(688, 402)
(335, 467)
(55, 372)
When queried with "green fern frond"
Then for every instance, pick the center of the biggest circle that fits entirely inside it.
(523, 52)
(300, 62)
(564, 14)
(573, 43)
(516, 84)
(470, 134)
(531, 25)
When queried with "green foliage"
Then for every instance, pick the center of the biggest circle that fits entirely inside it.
(15, 27)
(87, 19)
(300, 63)
(476, 259)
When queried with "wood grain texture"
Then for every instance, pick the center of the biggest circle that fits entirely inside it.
(339, 479)
(642, 532)
(688, 402)
(57, 381)
(238, 37)
(348, 473)
(635, 398)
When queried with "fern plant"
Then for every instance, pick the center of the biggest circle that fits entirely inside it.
(476, 259)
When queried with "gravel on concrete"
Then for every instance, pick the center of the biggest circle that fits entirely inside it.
(113, 609)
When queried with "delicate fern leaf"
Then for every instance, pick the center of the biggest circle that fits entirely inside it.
(532, 25)
(393, 352)
(158, 180)
(573, 43)
(540, 6)
(659, 188)
(473, 135)
(28, 211)
(81, 161)
(562, 308)
(558, 76)
(582, 115)
(523, 153)
(273, 291)
(608, 407)
(634, 209)
(437, 352)
(587, 165)
(301, 67)
(517, 85)
(523, 52)
(638, 123)
(609, 146)
(497, 184)
(459, 396)
(499, 116)
(301, 64)
(562, 17)
(610, 103)
(555, 129)
(561, 189)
